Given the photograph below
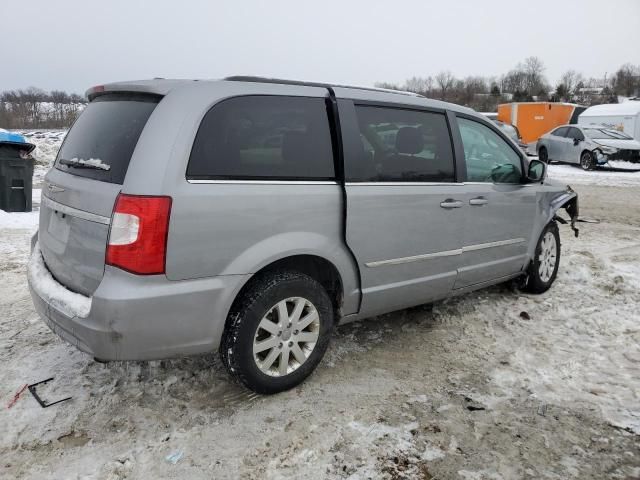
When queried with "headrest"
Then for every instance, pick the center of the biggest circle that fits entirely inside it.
(409, 140)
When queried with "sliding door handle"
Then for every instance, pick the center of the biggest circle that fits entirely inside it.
(478, 201)
(451, 203)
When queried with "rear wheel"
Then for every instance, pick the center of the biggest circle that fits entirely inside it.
(543, 155)
(544, 267)
(586, 161)
(277, 332)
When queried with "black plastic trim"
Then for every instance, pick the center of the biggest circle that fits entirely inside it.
(458, 147)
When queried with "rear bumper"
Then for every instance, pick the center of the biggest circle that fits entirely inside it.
(143, 318)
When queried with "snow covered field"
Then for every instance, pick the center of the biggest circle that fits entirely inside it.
(493, 385)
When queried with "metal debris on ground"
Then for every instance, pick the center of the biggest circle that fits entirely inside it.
(44, 403)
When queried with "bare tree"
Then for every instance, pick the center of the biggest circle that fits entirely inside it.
(514, 81)
(566, 88)
(445, 81)
(626, 80)
(533, 69)
(387, 85)
(35, 108)
(415, 84)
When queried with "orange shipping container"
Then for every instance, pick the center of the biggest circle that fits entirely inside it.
(534, 119)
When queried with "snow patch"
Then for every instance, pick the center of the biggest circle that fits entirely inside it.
(70, 303)
(574, 175)
(20, 220)
(432, 453)
(94, 162)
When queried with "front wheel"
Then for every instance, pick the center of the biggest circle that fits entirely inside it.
(277, 332)
(544, 267)
(586, 161)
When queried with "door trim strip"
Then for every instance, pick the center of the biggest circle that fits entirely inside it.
(445, 253)
(415, 258)
(404, 184)
(499, 243)
(264, 182)
(74, 212)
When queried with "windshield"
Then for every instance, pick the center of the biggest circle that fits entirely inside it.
(510, 131)
(605, 133)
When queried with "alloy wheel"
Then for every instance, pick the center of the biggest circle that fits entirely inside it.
(286, 336)
(548, 257)
(586, 161)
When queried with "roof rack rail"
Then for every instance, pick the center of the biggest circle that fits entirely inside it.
(250, 78)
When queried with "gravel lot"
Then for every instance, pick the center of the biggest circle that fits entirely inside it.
(496, 384)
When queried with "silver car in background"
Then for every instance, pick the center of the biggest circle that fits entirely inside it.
(588, 146)
(251, 216)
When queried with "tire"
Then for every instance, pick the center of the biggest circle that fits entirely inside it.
(586, 160)
(261, 306)
(543, 269)
(543, 155)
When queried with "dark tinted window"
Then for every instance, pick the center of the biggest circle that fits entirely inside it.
(560, 132)
(489, 158)
(575, 134)
(105, 134)
(263, 137)
(401, 145)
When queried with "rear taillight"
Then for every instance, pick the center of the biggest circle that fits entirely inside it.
(138, 234)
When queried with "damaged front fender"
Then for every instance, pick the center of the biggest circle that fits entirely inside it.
(569, 201)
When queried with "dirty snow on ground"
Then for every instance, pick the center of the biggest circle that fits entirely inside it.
(496, 384)
(622, 175)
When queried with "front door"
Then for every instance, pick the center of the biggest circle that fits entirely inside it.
(403, 206)
(499, 208)
(574, 145)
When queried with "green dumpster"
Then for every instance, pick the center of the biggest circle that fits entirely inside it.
(16, 175)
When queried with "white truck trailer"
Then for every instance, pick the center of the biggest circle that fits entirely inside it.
(624, 117)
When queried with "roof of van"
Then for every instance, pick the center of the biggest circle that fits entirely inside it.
(161, 86)
(541, 103)
(612, 109)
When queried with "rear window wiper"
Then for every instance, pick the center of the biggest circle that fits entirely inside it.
(93, 163)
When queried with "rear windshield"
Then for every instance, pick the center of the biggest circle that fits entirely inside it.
(101, 142)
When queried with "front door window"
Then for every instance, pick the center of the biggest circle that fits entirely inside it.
(489, 158)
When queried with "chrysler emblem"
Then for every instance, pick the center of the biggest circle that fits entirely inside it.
(54, 188)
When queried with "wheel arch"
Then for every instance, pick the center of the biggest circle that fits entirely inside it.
(549, 207)
(586, 150)
(310, 248)
(318, 267)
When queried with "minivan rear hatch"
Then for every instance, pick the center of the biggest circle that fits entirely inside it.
(81, 189)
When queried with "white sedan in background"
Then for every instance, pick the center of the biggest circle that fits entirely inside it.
(589, 146)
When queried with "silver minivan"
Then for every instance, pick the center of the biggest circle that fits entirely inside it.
(251, 216)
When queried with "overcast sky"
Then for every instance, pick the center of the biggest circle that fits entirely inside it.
(73, 44)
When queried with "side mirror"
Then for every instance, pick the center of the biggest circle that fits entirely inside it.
(537, 171)
(576, 141)
(506, 173)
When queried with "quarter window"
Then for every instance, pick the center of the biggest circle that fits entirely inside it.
(401, 146)
(264, 137)
(488, 157)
